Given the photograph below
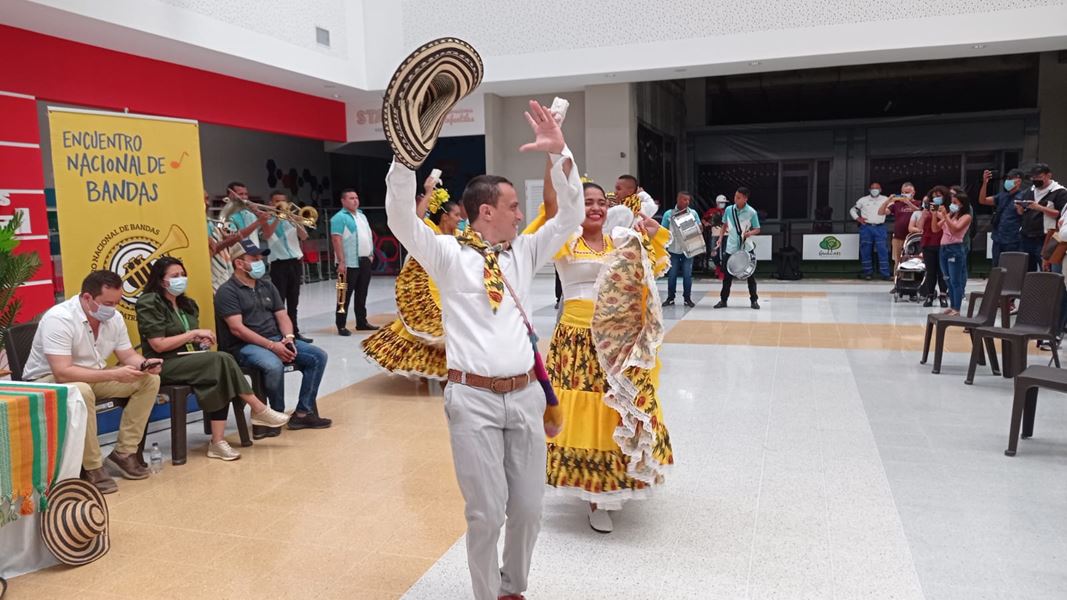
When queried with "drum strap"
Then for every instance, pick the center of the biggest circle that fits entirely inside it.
(740, 238)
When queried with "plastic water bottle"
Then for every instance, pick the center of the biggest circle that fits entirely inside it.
(155, 461)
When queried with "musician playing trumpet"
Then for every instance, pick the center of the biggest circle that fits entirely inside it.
(680, 262)
(286, 257)
(248, 220)
(220, 236)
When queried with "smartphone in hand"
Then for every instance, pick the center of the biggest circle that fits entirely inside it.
(150, 364)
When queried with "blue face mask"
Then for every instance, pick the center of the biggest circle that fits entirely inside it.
(1009, 185)
(462, 225)
(938, 200)
(258, 270)
(953, 208)
(178, 285)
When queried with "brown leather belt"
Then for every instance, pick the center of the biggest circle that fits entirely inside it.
(497, 385)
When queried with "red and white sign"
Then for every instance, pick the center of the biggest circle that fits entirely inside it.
(364, 117)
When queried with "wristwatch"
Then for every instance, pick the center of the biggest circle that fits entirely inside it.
(290, 336)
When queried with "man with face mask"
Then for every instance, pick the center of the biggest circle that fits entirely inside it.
(869, 214)
(259, 334)
(1006, 220)
(1039, 215)
(712, 221)
(72, 344)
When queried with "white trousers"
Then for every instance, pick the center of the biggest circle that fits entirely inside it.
(498, 448)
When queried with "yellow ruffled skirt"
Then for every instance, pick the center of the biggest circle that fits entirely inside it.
(396, 351)
(585, 460)
(413, 344)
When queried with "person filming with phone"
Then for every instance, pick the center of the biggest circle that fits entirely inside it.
(73, 342)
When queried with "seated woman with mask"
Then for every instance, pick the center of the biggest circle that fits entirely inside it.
(167, 321)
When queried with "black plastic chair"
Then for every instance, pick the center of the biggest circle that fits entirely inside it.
(17, 345)
(1027, 385)
(1015, 264)
(987, 316)
(1038, 319)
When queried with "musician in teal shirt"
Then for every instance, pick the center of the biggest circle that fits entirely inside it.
(679, 261)
(353, 246)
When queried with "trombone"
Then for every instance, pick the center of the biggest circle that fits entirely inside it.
(303, 219)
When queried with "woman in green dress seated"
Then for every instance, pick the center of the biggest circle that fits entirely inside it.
(168, 322)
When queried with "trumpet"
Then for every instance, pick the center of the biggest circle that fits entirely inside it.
(341, 287)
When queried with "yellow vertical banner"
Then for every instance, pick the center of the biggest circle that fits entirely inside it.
(129, 190)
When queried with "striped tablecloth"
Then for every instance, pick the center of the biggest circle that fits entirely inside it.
(23, 469)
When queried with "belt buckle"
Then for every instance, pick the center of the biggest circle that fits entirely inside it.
(505, 386)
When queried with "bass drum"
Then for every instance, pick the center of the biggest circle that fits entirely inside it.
(741, 264)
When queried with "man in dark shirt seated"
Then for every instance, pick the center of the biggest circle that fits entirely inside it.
(260, 335)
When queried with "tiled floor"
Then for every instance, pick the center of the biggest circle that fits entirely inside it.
(816, 459)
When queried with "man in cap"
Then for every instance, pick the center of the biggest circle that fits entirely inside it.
(259, 334)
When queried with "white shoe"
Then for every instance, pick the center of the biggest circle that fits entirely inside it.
(222, 450)
(270, 418)
(600, 521)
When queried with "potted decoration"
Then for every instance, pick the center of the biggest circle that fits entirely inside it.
(15, 269)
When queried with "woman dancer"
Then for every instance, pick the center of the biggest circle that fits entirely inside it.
(168, 322)
(413, 344)
(586, 459)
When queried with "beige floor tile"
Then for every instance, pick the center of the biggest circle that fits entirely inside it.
(387, 572)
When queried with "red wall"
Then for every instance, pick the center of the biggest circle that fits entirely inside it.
(57, 70)
(21, 183)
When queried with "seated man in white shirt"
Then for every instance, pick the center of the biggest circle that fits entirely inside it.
(493, 404)
(72, 343)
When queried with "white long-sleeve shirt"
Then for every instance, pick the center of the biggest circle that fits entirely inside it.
(867, 207)
(476, 340)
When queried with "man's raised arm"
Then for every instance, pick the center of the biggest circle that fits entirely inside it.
(406, 225)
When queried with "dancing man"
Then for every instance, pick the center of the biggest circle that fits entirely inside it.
(493, 404)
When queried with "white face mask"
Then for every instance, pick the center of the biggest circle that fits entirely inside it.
(103, 313)
(875, 192)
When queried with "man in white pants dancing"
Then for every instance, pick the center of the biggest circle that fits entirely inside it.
(493, 402)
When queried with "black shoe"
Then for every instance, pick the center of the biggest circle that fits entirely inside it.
(309, 421)
(302, 338)
(943, 300)
(928, 302)
(887, 278)
(755, 305)
(668, 302)
(343, 332)
(260, 431)
(366, 327)
(689, 303)
(866, 277)
(721, 304)
(894, 290)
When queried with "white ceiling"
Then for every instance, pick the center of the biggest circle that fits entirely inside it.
(174, 31)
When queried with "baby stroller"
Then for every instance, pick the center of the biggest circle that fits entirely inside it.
(911, 270)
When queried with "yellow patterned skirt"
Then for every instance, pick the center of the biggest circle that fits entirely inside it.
(418, 303)
(396, 351)
(585, 460)
(413, 344)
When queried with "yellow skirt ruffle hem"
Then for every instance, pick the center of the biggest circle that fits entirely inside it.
(396, 351)
(585, 460)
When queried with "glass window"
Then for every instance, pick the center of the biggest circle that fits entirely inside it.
(761, 178)
(924, 172)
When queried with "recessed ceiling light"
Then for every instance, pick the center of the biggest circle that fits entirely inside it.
(978, 46)
(680, 70)
(754, 63)
(609, 75)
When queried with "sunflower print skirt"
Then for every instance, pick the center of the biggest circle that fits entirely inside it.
(395, 350)
(585, 460)
(418, 303)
